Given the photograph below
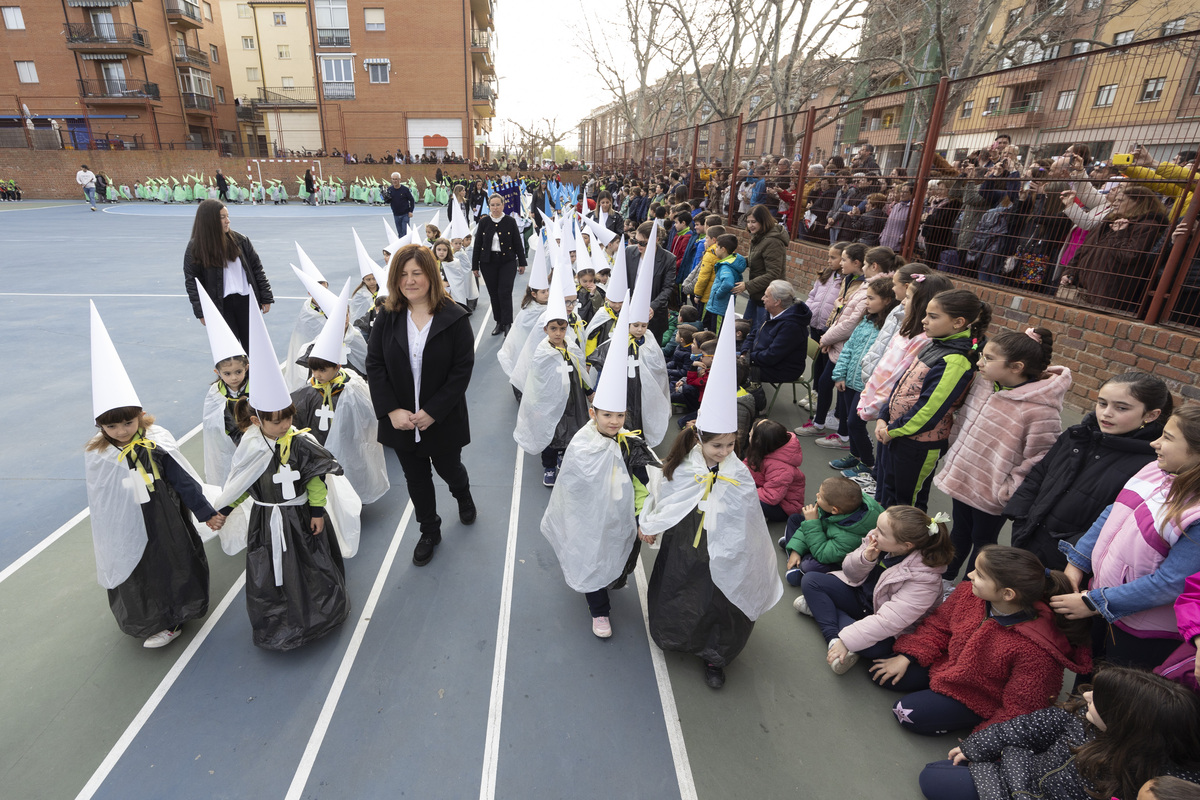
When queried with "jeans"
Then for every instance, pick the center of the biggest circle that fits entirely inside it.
(755, 313)
(860, 441)
(90, 193)
(973, 530)
(924, 711)
(499, 279)
(418, 475)
(836, 605)
(401, 221)
(943, 780)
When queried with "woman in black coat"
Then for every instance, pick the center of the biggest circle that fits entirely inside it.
(213, 257)
(419, 363)
(498, 255)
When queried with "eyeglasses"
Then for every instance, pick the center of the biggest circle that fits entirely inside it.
(642, 242)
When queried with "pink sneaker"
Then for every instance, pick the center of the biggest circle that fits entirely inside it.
(810, 428)
(833, 442)
(601, 627)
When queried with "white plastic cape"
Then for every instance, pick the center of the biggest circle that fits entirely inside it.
(603, 314)
(544, 398)
(118, 527)
(218, 447)
(461, 279)
(590, 521)
(361, 302)
(656, 397)
(253, 455)
(520, 373)
(523, 324)
(308, 326)
(740, 555)
(353, 440)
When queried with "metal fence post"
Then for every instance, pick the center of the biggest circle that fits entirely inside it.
(733, 171)
(692, 171)
(810, 126)
(931, 137)
(1166, 285)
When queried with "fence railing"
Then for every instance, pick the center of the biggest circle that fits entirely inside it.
(106, 33)
(184, 9)
(333, 37)
(287, 95)
(190, 55)
(940, 183)
(118, 88)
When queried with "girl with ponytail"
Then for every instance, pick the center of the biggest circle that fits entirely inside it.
(914, 429)
(1013, 414)
(992, 651)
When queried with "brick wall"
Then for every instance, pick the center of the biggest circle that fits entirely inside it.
(50, 174)
(1092, 345)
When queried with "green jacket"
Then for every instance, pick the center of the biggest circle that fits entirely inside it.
(831, 537)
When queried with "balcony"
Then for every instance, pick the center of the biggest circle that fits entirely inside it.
(333, 37)
(249, 113)
(337, 91)
(484, 12)
(1015, 117)
(483, 99)
(286, 96)
(189, 55)
(118, 92)
(184, 14)
(111, 37)
(199, 103)
(481, 51)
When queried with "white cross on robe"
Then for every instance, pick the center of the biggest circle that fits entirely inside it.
(634, 362)
(286, 477)
(710, 507)
(136, 484)
(325, 414)
(565, 369)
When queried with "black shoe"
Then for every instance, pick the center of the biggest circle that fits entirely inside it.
(499, 329)
(506, 329)
(423, 553)
(714, 676)
(466, 510)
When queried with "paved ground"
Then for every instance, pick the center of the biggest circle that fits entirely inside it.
(474, 676)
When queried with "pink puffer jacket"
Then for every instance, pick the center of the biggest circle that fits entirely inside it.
(999, 435)
(780, 481)
(822, 298)
(904, 595)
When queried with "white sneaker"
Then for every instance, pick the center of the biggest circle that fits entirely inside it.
(801, 605)
(842, 665)
(947, 588)
(161, 639)
(602, 627)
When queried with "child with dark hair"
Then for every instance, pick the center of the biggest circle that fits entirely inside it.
(773, 457)
(680, 360)
(689, 390)
(590, 297)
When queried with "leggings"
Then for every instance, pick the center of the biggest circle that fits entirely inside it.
(943, 780)
(973, 530)
(905, 478)
(925, 712)
(860, 441)
(836, 605)
(825, 399)
(235, 308)
(499, 279)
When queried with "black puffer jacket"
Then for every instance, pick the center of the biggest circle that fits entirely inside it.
(1067, 490)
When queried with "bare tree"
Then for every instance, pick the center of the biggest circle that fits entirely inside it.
(539, 136)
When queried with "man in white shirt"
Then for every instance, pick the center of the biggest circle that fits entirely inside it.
(87, 179)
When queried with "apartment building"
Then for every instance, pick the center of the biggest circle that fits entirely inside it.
(114, 74)
(363, 77)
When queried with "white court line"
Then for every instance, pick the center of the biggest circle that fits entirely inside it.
(164, 686)
(683, 767)
(32, 553)
(491, 748)
(317, 737)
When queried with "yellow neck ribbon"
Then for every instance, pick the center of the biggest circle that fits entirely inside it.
(623, 435)
(130, 450)
(708, 479)
(285, 443)
(327, 388)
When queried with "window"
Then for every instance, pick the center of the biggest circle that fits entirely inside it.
(287, 82)
(1124, 37)
(13, 19)
(1079, 48)
(1014, 16)
(967, 108)
(208, 11)
(1066, 100)
(953, 73)
(244, 11)
(1196, 85)
(754, 101)
(337, 70)
(1152, 89)
(374, 19)
(333, 23)
(993, 105)
(193, 81)
(26, 72)
(252, 74)
(220, 94)
(279, 18)
(214, 55)
(284, 50)
(1105, 95)
(247, 42)
(379, 73)
(1174, 26)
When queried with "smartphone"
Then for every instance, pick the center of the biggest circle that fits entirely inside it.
(1122, 159)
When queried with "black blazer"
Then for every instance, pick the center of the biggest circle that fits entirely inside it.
(446, 366)
(512, 246)
(214, 279)
(663, 281)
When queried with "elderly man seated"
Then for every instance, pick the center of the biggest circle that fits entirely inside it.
(777, 351)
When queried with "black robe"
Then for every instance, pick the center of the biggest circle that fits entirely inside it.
(169, 585)
(633, 386)
(308, 400)
(637, 455)
(231, 427)
(312, 600)
(688, 613)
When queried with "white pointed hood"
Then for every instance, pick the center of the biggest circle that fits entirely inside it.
(718, 409)
(598, 231)
(268, 392)
(221, 340)
(366, 264)
(328, 344)
(458, 225)
(645, 278)
(111, 387)
(308, 266)
(618, 282)
(539, 273)
(322, 296)
(610, 389)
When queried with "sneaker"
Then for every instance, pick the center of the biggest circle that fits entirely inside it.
(466, 510)
(834, 442)
(548, 477)
(803, 403)
(810, 428)
(856, 470)
(161, 639)
(714, 676)
(602, 627)
(423, 553)
(801, 605)
(783, 540)
(847, 463)
(866, 483)
(843, 665)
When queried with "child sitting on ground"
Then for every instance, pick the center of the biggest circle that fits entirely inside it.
(774, 458)
(689, 390)
(680, 360)
(819, 538)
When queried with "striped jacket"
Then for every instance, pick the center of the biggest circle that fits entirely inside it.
(922, 404)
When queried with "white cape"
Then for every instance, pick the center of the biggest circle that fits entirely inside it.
(463, 286)
(741, 558)
(353, 440)
(308, 326)
(547, 389)
(360, 303)
(118, 527)
(520, 373)
(250, 462)
(590, 520)
(218, 447)
(524, 323)
(656, 397)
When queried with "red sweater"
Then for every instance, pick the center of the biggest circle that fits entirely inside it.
(694, 378)
(997, 671)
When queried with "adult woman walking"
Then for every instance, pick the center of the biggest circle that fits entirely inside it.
(499, 254)
(419, 363)
(225, 263)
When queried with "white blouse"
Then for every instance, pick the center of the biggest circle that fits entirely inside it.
(416, 355)
(235, 278)
(496, 236)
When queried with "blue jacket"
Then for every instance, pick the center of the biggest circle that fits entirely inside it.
(848, 367)
(725, 274)
(779, 347)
